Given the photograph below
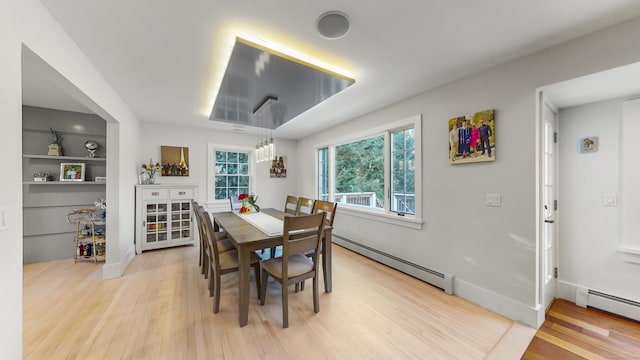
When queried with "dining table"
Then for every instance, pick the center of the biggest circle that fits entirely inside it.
(248, 236)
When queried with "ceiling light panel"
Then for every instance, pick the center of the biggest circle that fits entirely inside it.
(255, 72)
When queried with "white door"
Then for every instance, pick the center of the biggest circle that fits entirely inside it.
(549, 227)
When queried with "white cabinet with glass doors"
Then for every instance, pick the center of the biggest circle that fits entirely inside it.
(164, 216)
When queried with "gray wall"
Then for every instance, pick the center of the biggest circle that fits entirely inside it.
(47, 235)
(589, 232)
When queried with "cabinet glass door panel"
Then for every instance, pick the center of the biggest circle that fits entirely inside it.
(152, 208)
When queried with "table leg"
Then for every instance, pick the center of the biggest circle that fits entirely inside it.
(326, 261)
(243, 285)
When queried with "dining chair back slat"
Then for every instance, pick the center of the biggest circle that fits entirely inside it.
(327, 207)
(235, 203)
(304, 206)
(291, 205)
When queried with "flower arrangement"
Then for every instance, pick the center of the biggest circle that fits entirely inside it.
(102, 204)
(248, 203)
(151, 171)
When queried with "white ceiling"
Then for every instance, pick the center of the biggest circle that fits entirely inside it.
(164, 57)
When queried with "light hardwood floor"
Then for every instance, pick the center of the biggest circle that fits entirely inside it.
(160, 309)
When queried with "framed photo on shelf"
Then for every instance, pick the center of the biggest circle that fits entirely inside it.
(72, 171)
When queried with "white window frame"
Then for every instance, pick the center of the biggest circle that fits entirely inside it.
(223, 205)
(384, 215)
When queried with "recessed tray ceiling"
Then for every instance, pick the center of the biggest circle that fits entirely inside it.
(255, 73)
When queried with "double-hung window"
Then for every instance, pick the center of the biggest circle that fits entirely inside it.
(230, 172)
(376, 172)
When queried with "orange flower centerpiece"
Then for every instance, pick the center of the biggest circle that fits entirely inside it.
(150, 169)
(248, 203)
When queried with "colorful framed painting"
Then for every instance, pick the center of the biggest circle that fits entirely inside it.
(472, 138)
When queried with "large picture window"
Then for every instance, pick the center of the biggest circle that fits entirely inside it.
(378, 171)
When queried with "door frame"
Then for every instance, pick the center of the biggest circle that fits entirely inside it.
(541, 294)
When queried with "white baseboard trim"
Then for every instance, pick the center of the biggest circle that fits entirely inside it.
(514, 310)
(115, 270)
(585, 296)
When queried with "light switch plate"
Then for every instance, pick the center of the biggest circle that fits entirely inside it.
(493, 200)
(610, 199)
(4, 221)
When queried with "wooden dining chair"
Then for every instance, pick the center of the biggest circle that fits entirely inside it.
(329, 208)
(221, 263)
(299, 234)
(221, 241)
(235, 203)
(203, 257)
(291, 205)
(304, 206)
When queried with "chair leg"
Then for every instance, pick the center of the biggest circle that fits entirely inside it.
(316, 298)
(285, 305)
(212, 282)
(205, 262)
(256, 273)
(263, 286)
(216, 295)
(272, 252)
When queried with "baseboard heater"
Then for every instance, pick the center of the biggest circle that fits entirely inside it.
(607, 302)
(435, 278)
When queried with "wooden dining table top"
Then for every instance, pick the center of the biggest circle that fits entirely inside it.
(244, 233)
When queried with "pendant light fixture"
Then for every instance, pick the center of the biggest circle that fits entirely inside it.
(265, 147)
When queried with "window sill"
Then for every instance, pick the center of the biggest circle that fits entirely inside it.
(409, 221)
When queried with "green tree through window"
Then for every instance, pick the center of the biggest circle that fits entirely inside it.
(359, 168)
(231, 174)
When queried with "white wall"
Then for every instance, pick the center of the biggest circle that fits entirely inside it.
(491, 251)
(271, 192)
(589, 231)
(28, 23)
